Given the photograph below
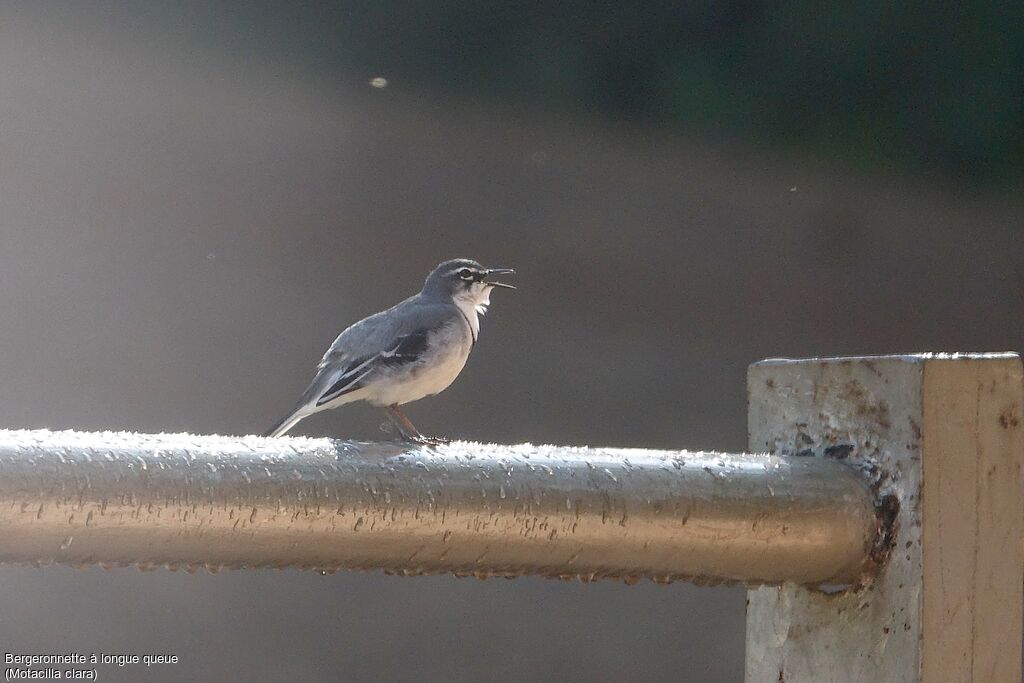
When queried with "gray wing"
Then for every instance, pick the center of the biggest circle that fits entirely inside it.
(385, 340)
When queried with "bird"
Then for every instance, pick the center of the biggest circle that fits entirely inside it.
(412, 350)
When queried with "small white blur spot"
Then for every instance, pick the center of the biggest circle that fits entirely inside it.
(379, 82)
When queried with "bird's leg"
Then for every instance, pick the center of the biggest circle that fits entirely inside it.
(407, 429)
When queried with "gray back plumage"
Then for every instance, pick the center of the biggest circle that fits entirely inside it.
(402, 327)
(374, 334)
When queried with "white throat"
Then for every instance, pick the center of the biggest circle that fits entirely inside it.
(473, 304)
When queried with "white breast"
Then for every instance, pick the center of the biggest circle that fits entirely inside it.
(447, 351)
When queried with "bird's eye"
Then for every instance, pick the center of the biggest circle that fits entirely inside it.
(466, 274)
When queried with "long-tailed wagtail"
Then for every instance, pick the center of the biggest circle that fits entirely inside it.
(412, 350)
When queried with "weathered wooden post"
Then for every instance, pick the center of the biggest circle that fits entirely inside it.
(942, 439)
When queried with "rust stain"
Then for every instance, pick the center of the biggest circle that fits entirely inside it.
(878, 412)
(872, 366)
(1008, 419)
(916, 429)
(888, 509)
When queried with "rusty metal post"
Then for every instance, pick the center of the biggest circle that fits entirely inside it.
(942, 439)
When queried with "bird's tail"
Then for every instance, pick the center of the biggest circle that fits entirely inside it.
(286, 422)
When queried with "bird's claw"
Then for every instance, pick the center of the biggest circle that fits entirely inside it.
(430, 440)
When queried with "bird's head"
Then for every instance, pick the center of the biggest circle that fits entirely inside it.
(465, 281)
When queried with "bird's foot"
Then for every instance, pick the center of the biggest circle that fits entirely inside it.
(430, 440)
(403, 436)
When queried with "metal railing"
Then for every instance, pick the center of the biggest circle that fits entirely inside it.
(473, 508)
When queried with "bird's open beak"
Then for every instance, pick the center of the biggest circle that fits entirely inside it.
(499, 271)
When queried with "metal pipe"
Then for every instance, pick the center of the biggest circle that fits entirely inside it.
(179, 500)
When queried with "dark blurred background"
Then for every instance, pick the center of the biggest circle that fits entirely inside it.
(196, 197)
